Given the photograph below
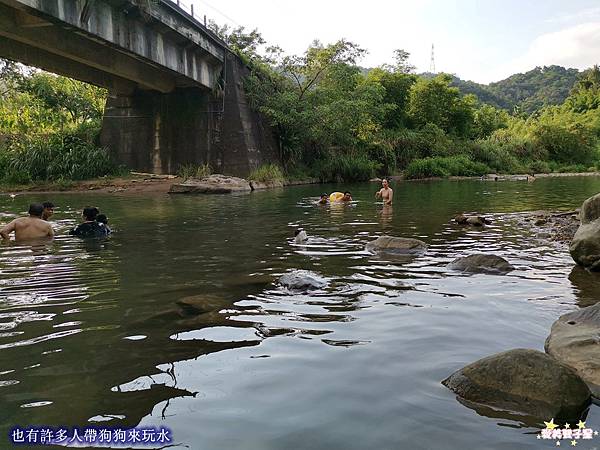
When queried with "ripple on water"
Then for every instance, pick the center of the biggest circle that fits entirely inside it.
(102, 317)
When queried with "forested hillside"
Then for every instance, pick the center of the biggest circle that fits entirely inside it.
(528, 92)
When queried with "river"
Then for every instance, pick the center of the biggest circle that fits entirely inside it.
(90, 332)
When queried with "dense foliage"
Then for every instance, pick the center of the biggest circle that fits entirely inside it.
(49, 127)
(523, 92)
(339, 122)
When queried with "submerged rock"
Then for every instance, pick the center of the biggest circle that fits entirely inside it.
(522, 381)
(476, 221)
(302, 280)
(390, 244)
(575, 340)
(585, 247)
(212, 184)
(480, 263)
(201, 304)
(259, 185)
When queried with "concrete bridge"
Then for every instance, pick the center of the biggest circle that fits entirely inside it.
(175, 90)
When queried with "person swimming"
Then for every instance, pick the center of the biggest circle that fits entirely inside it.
(48, 210)
(324, 200)
(300, 236)
(347, 197)
(103, 222)
(90, 226)
(32, 227)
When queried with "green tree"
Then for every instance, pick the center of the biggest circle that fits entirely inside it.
(435, 101)
(397, 93)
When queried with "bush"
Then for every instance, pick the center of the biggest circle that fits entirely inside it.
(539, 167)
(568, 146)
(496, 156)
(346, 168)
(266, 173)
(459, 165)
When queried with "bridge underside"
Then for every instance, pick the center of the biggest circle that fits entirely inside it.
(166, 106)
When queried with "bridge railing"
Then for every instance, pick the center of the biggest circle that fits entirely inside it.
(188, 8)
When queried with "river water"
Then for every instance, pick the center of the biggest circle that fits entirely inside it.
(90, 332)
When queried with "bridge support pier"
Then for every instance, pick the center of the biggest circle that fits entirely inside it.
(155, 132)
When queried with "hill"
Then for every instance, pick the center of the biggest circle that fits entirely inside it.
(529, 91)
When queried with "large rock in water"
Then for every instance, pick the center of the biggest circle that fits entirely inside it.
(522, 381)
(585, 247)
(480, 263)
(302, 280)
(390, 244)
(212, 184)
(575, 340)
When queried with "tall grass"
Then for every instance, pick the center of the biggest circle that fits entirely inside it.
(57, 156)
(267, 173)
(194, 171)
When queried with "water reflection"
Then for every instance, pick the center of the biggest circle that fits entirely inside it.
(586, 285)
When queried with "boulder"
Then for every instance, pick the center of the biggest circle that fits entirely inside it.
(212, 184)
(480, 263)
(585, 247)
(390, 244)
(302, 280)
(522, 381)
(575, 341)
(259, 185)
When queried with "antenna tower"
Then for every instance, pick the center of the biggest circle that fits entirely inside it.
(432, 63)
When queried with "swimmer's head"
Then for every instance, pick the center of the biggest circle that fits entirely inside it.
(36, 209)
(385, 183)
(101, 218)
(347, 196)
(48, 210)
(90, 213)
(324, 196)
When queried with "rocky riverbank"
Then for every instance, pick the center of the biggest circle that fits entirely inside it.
(560, 383)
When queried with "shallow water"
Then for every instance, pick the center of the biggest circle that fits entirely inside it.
(90, 332)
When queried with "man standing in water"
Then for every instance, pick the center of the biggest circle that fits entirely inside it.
(386, 193)
(32, 227)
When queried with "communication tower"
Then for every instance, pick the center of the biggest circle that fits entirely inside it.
(432, 63)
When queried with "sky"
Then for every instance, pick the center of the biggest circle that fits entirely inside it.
(482, 41)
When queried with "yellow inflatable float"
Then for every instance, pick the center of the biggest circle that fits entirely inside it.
(336, 196)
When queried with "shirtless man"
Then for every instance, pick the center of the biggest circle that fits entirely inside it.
(386, 193)
(32, 227)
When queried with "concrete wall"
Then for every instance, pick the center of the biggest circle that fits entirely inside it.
(154, 132)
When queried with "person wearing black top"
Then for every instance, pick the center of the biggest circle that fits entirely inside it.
(90, 227)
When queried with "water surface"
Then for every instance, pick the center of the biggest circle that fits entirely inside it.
(90, 331)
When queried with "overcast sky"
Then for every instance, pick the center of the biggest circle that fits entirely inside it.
(483, 41)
